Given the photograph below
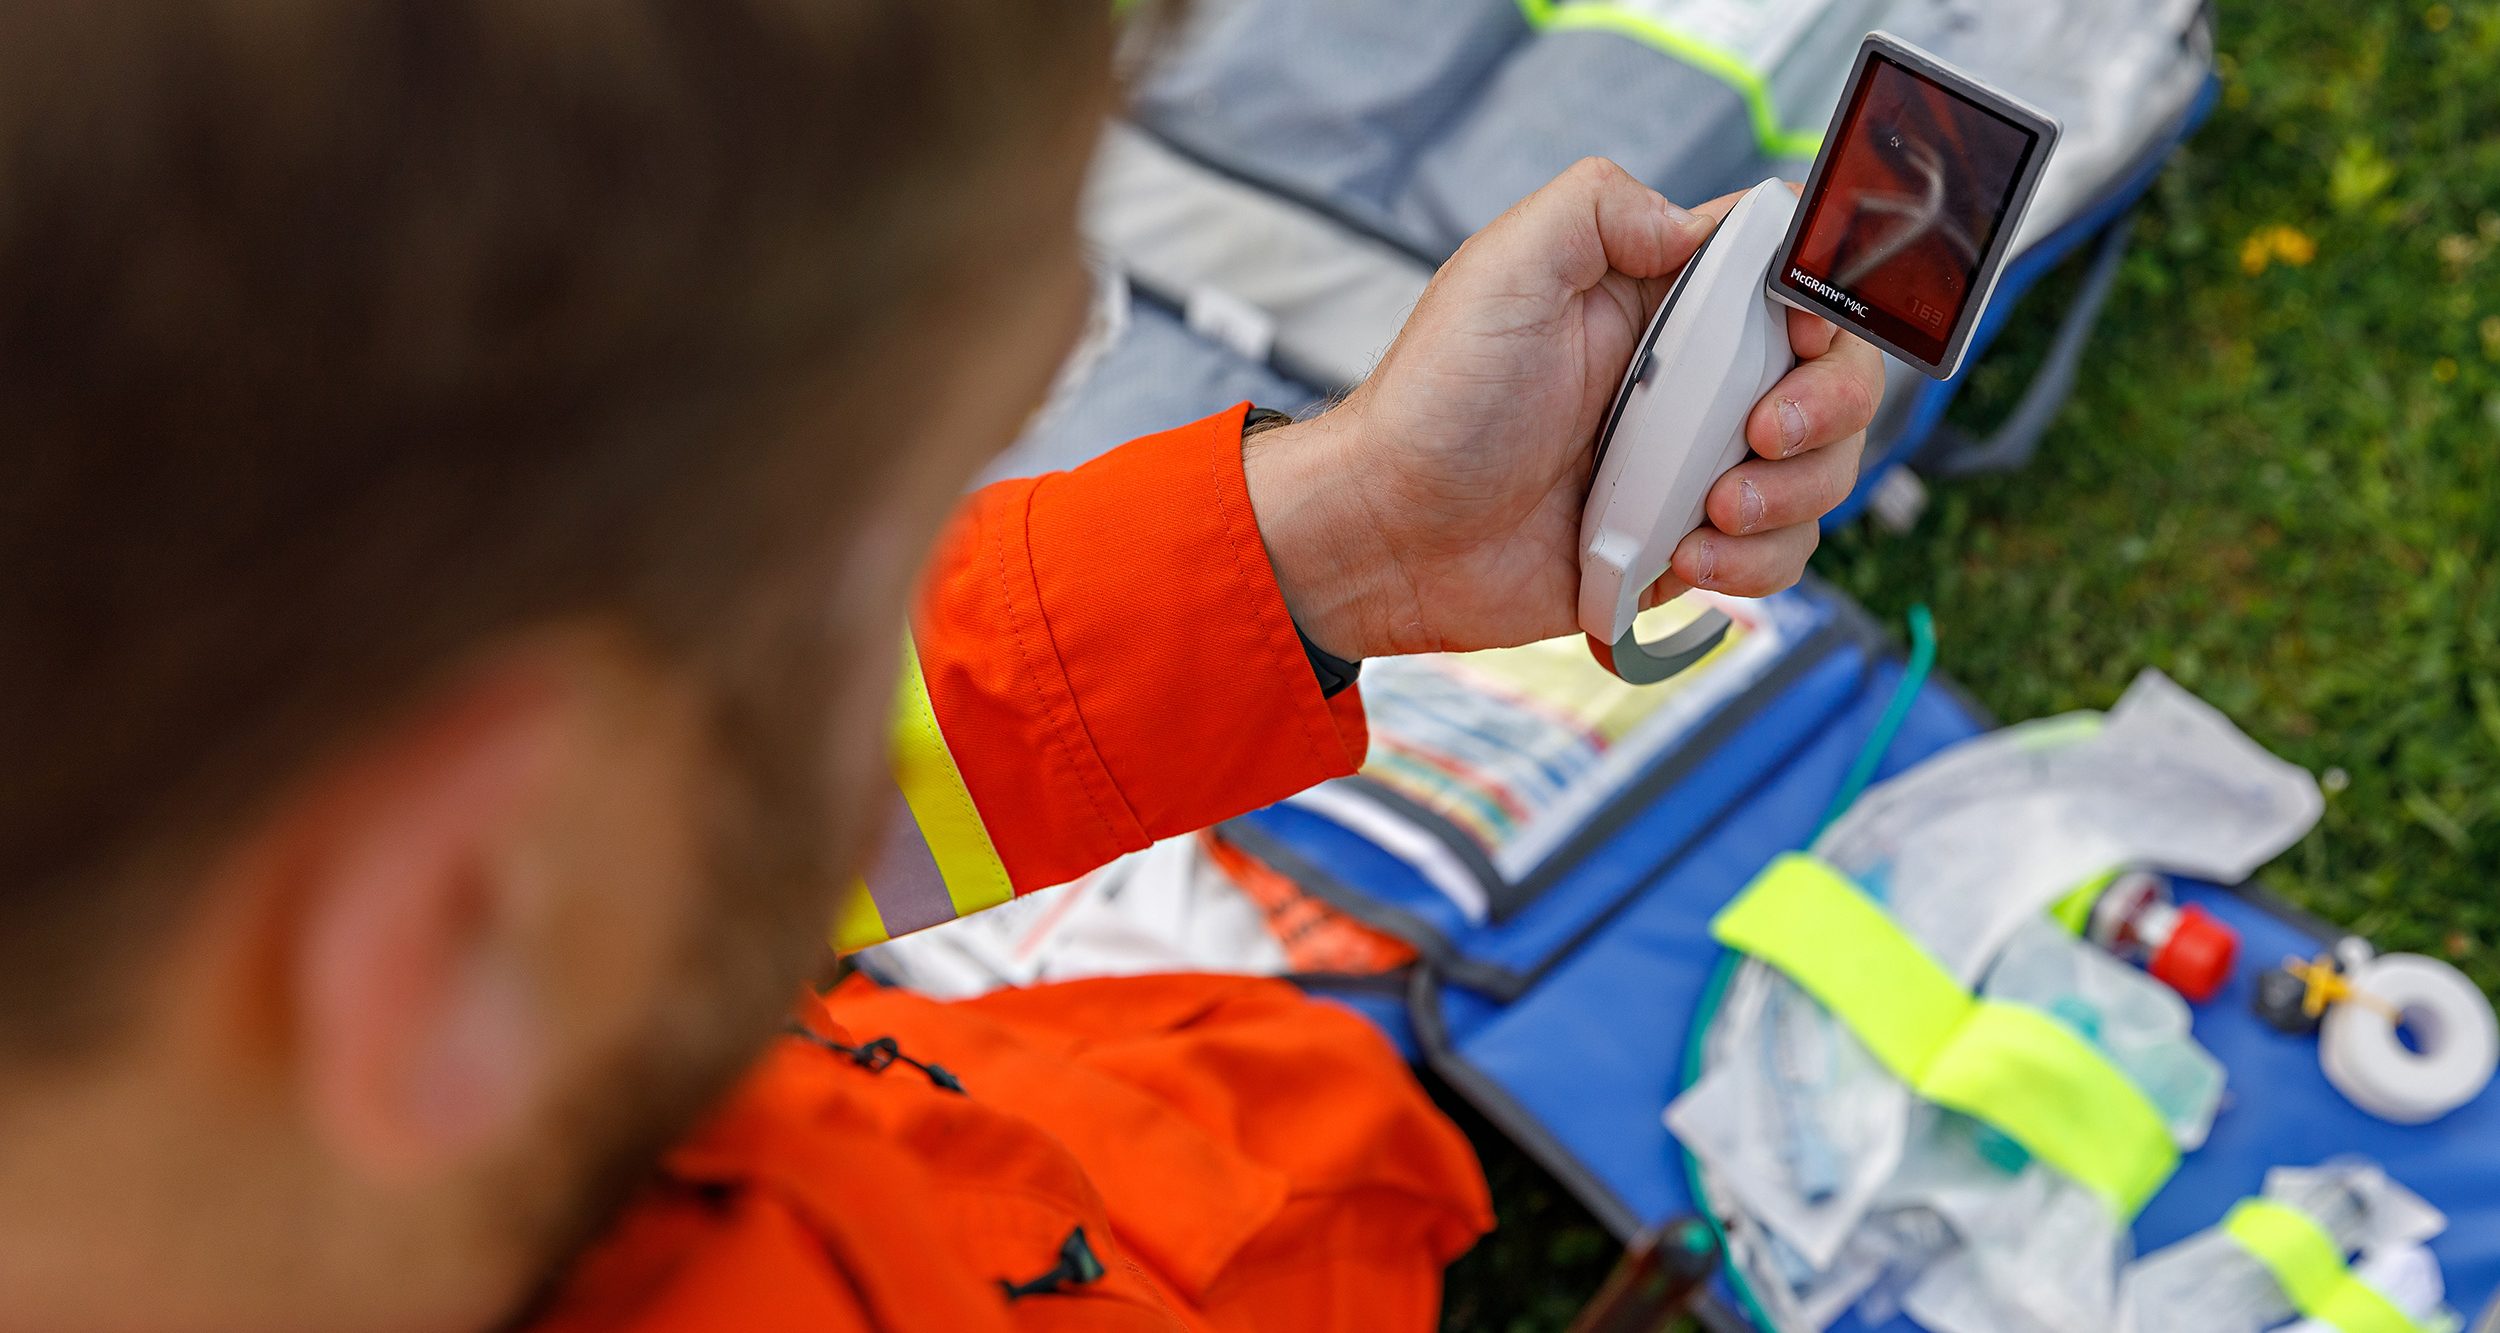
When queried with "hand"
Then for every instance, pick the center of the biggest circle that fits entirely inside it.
(1439, 507)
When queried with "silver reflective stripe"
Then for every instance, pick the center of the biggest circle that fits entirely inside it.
(909, 892)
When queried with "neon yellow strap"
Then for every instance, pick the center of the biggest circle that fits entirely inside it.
(2011, 1066)
(938, 864)
(1805, 919)
(2055, 1093)
(1776, 139)
(2309, 1266)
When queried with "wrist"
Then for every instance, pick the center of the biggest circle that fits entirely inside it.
(1338, 574)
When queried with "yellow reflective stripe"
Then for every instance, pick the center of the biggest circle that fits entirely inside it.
(2013, 1067)
(2309, 1266)
(940, 803)
(934, 859)
(1776, 139)
(859, 926)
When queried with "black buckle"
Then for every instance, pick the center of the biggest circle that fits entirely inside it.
(882, 1054)
(1077, 1267)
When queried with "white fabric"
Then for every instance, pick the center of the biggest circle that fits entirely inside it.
(1168, 908)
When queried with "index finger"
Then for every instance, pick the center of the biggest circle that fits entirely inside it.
(1826, 399)
(1810, 335)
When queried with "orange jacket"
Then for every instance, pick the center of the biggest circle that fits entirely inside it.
(1102, 659)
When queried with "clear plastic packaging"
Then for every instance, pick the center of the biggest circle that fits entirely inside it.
(2037, 1252)
(2144, 1030)
(1770, 1128)
(2209, 1284)
(1969, 851)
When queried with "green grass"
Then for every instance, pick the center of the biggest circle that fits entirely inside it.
(2281, 487)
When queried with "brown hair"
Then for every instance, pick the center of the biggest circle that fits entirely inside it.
(340, 337)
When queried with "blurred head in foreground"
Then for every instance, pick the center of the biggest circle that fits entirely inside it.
(466, 463)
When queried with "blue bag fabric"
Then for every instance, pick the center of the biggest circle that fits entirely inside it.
(1566, 1018)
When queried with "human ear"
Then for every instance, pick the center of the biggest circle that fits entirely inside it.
(420, 1034)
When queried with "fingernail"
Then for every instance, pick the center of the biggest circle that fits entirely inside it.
(1706, 564)
(1676, 217)
(1748, 506)
(1792, 426)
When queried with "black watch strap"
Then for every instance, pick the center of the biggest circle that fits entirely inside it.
(1263, 418)
(1336, 675)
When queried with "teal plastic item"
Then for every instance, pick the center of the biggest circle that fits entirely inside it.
(1913, 679)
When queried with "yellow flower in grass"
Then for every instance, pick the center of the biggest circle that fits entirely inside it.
(2276, 244)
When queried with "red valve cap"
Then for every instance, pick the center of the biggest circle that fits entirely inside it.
(2196, 960)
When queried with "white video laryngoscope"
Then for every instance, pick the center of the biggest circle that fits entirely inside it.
(1898, 237)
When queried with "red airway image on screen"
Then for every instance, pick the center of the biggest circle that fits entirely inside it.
(1912, 195)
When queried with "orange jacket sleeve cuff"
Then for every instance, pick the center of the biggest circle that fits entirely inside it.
(1112, 662)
